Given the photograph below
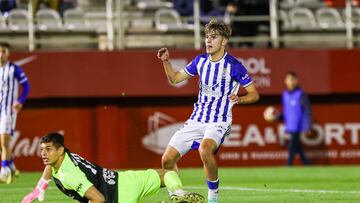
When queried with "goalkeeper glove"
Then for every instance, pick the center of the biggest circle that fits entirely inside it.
(38, 192)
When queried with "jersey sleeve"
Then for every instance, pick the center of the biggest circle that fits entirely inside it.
(191, 68)
(240, 74)
(20, 75)
(24, 82)
(78, 182)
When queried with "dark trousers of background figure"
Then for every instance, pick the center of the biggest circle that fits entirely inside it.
(296, 148)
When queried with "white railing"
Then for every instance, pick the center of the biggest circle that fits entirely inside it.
(31, 34)
(197, 26)
(274, 23)
(120, 37)
(109, 25)
(349, 24)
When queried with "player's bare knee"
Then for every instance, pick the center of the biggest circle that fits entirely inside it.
(207, 148)
(170, 158)
(205, 152)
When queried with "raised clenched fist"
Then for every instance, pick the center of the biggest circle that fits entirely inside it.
(163, 54)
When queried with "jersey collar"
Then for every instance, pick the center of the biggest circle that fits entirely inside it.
(225, 53)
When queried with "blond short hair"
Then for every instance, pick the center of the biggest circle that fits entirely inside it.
(218, 27)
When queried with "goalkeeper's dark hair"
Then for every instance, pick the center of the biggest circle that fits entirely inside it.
(56, 138)
(219, 27)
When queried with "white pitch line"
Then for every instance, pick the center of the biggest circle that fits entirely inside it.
(354, 192)
(280, 190)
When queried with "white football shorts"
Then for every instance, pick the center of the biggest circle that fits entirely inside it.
(190, 136)
(7, 124)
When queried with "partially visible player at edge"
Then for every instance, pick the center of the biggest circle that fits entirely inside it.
(11, 76)
(220, 75)
(87, 182)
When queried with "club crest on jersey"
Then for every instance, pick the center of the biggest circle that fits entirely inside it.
(210, 90)
(109, 176)
(225, 73)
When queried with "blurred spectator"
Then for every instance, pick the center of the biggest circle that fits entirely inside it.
(6, 6)
(38, 4)
(208, 8)
(184, 7)
(246, 8)
(227, 8)
(211, 8)
(59, 5)
(67, 4)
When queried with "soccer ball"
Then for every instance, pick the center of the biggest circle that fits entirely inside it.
(271, 114)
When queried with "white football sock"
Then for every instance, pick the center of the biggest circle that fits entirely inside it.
(5, 171)
(213, 194)
(177, 192)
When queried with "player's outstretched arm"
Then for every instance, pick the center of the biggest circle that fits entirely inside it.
(173, 75)
(251, 96)
(39, 190)
(94, 195)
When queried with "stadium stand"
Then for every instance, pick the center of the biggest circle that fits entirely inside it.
(310, 3)
(285, 19)
(302, 18)
(329, 18)
(288, 4)
(153, 4)
(74, 19)
(154, 23)
(169, 20)
(18, 20)
(322, 29)
(2, 22)
(355, 16)
(48, 20)
(96, 20)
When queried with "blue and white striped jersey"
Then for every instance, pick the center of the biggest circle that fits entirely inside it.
(11, 76)
(217, 80)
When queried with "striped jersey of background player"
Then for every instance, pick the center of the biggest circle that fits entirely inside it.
(220, 76)
(11, 75)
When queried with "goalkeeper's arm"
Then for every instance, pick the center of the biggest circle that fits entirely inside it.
(39, 190)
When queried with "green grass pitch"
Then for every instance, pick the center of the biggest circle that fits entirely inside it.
(248, 185)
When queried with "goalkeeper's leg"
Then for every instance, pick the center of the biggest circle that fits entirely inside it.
(171, 180)
(134, 185)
